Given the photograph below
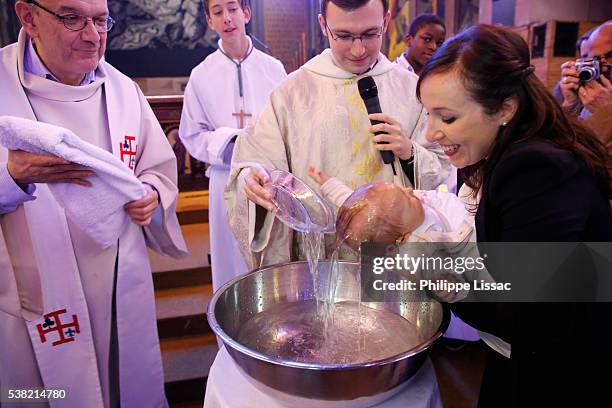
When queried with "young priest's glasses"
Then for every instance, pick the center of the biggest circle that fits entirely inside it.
(75, 22)
(349, 39)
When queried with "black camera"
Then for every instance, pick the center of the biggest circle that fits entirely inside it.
(589, 69)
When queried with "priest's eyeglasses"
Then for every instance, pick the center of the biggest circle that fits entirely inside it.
(349, 39)
(74, 22)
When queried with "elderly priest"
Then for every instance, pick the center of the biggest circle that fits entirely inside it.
(76, 315)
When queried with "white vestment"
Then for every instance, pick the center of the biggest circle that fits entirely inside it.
(208, 127)
(451, 181)
(60, 290)
(317, 117)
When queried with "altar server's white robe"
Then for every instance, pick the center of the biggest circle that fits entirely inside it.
(208, 127)
(316, 117)
(402, 61)
(52, 274)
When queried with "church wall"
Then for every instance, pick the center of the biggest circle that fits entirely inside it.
(161, 63)
(565, 10)
(286, 30)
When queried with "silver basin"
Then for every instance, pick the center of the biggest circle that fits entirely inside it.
(274, 287)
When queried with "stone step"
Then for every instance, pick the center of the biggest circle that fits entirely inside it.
(192, 201)
(189, 357)
(192, 207)
(182, 311)
(183, 301)
(182, 291)
(193, 217)
(187, 393)
(198, 244)
(181, 278)
(183, 326)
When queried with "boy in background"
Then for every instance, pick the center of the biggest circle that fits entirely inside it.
(224, 94)
(425, 35)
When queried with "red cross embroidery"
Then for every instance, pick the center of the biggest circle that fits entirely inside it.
(53, 323)
(127, 151)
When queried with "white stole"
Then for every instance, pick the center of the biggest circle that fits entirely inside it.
(73, 364)
(74, 361)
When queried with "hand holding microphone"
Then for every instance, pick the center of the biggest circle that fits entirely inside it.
(389, 136)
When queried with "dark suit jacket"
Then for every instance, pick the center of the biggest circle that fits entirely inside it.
(561, 352)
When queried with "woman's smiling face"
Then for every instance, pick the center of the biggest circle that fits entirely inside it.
(457, 122)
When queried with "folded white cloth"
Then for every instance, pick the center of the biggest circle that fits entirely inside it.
(97, 210)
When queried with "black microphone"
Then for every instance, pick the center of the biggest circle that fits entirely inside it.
(369, 93)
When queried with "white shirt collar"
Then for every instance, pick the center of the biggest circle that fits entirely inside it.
(402, 61)
(35, 66)
(324, 64)
(249, 49)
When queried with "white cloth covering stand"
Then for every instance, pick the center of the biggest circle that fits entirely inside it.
(229, 387)
(459, 330)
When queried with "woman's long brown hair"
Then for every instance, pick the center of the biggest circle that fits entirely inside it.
(493, 64)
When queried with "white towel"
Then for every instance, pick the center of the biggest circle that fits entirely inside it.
(97, 210)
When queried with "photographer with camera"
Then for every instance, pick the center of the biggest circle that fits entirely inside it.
(581, 47)
(587, 82)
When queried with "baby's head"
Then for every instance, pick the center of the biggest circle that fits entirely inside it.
(378, 212)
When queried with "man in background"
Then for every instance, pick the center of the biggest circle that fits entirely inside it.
(592, 100)
(581, 47)
(77, 316)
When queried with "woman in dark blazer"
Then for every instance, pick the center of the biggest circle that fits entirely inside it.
(540, 176)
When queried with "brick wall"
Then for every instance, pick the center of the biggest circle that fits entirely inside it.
(285, 24)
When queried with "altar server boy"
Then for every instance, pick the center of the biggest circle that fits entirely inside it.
(223, 96)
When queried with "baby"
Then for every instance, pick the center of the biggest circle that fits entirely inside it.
(383, 212)
(386, 213)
